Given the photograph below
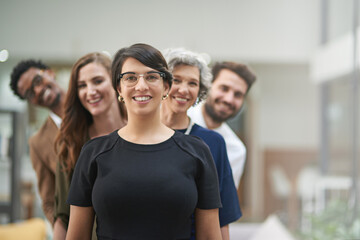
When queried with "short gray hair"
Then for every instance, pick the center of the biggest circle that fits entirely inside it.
(181, 56)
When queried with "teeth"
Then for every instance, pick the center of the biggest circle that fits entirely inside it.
(181, 99)
(46, 94)
(141, 98)
(94, 100)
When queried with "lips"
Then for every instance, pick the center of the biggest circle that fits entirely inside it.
(180, 99)
(94, 100)
(225, 108)
(45, 95)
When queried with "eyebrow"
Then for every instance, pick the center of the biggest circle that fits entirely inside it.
(152, 71)
(92, 78)
(194, 79)
(128, 72)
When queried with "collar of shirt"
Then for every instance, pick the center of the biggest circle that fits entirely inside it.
(57, 120)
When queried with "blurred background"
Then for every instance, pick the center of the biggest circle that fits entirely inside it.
(300, 122)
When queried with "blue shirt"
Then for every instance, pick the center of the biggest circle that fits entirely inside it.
(230, 211)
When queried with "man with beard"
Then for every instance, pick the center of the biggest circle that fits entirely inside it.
(34, 82)
(230, 84)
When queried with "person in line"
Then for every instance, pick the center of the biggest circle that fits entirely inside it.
(91, 109)
(34, 81)
(230, 84)
(145, 180)
(191, 79)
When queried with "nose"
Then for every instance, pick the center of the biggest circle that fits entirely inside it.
(141, 85)
(91, 90)
(228, 97)
(183, 89)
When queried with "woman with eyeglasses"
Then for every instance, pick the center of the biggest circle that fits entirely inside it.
(145, 180)
(191, 79)
(91, 110)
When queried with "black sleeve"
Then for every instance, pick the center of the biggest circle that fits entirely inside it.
(206, 176)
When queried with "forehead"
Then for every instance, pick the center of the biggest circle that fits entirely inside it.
(25, 79)
(186, 71)
(134, 65)
(231, 80)
(92, 69)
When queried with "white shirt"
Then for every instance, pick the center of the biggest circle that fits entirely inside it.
(57, 120)
(235, 147)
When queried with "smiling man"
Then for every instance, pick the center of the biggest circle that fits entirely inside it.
(231, 82)
(34, 82)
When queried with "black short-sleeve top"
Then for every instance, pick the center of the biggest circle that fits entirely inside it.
(141, 191)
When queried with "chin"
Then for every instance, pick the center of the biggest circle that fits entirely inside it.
(223, 115)
(95, 112)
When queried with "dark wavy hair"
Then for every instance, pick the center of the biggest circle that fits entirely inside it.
(146, 54)
(22, 67)
(240, 69)
(76, 120)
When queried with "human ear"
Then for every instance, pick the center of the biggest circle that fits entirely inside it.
(118, 89)
(166, 88)
(120, 97)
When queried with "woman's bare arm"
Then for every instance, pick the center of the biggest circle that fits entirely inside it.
(59, 230)
(225, 232)
(80, 223)
(207, 226)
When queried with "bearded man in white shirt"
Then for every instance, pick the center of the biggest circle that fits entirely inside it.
(230, 85)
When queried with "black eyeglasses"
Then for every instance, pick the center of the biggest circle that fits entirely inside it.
(36, 81)
(130, 79)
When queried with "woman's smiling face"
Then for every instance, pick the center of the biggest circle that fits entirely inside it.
(94, 89)
(144, 97)
(185, 88)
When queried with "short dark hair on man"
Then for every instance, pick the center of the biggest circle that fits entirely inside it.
(240, 69)
(22, 67)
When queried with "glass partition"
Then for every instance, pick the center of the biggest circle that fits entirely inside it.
(340, 17)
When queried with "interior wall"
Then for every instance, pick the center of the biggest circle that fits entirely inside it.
(283, 115)
(7, 99)
(289, 105)
(252, 30)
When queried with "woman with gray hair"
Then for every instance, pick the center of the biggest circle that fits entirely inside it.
(191, 80)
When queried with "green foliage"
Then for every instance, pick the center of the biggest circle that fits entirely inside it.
(333, 223)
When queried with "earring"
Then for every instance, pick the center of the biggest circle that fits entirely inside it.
(165, 97)
(121, 99)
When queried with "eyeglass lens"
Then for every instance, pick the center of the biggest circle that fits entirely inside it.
(131, 79)
(37, 80)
